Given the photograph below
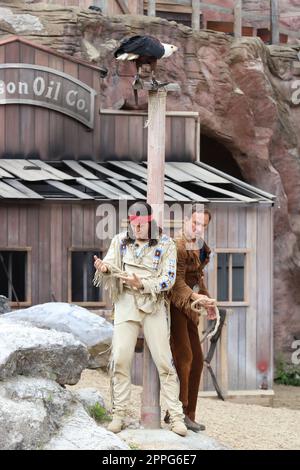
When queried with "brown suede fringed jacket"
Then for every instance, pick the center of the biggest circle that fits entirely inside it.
(190, 265)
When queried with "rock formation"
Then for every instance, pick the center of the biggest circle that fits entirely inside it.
(90, 329)
(37, 413)
(36, 410)
(27, 350)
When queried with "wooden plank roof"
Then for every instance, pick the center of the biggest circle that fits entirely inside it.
(22, 40)
(185, 182)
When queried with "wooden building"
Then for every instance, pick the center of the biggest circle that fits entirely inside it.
(217, 15)
(61, 161)
(108, 7)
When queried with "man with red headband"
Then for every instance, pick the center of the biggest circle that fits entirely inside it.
(139, 269)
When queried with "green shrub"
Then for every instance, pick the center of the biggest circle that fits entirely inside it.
(287, 374)
(133, 446)
(99, 413)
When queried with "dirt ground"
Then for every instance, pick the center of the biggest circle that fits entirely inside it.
(234, 425)
(287, 397)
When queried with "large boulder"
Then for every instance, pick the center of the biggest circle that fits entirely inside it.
(27, 350)
(30, 411)
(37, 413)
(80, 432)
(93, 331)
(89, 397)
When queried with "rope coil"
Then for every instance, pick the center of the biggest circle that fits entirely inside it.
(197, 307)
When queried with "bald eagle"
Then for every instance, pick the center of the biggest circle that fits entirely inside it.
(144, 50)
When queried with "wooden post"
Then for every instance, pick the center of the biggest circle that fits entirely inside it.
(274, 22)
(224, 359)
(140, 7)
(196, 15)
(155, 196)
(150, 412)
(237, 18)
(151, 7)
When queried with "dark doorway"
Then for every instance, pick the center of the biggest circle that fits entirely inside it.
(215, 154)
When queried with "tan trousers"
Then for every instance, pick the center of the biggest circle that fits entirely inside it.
(156, 333)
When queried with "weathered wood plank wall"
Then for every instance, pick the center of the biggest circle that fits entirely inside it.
(27, 130)
(250, 334)
(32, 130)
(51, 229)
(249, 328)
(125, 135)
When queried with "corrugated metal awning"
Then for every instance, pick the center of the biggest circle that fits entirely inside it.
(114, 180)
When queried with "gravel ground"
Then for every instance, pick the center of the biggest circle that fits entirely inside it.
(234, 425)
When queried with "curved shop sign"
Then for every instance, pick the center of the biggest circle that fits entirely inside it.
(42, 86)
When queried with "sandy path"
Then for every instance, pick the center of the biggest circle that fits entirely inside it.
(234, 425)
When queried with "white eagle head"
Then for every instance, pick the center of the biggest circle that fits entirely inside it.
(169, 50)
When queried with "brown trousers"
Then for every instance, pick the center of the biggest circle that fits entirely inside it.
(188, 359)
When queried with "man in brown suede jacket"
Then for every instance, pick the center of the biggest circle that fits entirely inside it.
(192, 256)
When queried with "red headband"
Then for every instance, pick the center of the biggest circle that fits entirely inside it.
(140, 219)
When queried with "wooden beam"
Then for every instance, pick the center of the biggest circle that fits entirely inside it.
(8, 192)
(23, 189)
(26, 170)
(155, 196)
(124, 8)
(103, 170)
(68, 189)
(167, 87)
(60, 175)
(80, 170)
(238, 18)
(196, 15)
(151, 11)
(274, 21)
(224, 359)
(225, 192)
(170, 7)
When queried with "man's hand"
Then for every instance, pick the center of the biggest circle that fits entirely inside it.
(132, 281)
(205, 301)
(99, 265)
(211, 313)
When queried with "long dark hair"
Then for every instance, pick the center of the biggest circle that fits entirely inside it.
(154, 231)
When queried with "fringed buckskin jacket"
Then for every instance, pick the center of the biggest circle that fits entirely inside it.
(156, 267)
(190, 265)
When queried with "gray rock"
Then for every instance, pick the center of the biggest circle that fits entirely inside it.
(4, 305)
(156, 439)
(37, 413)
(80, 432)
(22, 425)
(31, 410)
(89, 397)
(93, 331)
(31, 351)
(21, 22)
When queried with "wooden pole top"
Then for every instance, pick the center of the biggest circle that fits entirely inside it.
(149, 86)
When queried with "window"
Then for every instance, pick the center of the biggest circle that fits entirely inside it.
(183, 18)
(231, 277)
(14, 276)
(81, 288)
